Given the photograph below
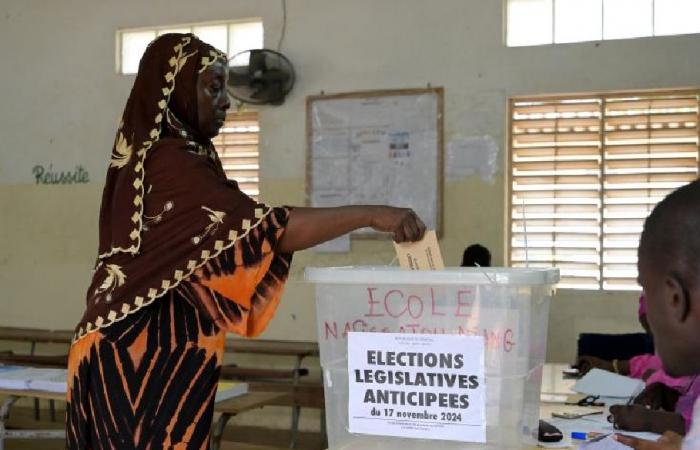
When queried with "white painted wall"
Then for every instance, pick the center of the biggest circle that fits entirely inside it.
(61, 99)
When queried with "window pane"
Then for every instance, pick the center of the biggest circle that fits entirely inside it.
(578, 20)
(134, 43)
(628, 19)
(651, 148)
(244, 36)
(586, 172)
(556, 170)
(676, 17)
(237, 146)
(175, 30)
(529, 22)
(214, 35)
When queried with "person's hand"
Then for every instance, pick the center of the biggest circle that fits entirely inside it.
(586, 363)
(658, 396)
(403, 223)
(669, 441)
(630, 418)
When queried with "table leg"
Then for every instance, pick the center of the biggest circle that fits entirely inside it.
(296, 409)
(4, 414)
(217, 432)
(37, 414)
(324, 434)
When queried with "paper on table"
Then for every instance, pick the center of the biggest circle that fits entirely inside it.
(564, 443)
(32, 378)
(596, 424)
(421, 255)
(605, 444)
(608, 384)
(229, 389)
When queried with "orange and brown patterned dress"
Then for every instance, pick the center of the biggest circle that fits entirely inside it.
(148, 382)
(184, 257)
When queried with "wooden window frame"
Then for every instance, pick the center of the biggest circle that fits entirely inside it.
(604, 147)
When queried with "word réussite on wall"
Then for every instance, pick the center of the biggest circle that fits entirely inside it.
(44, 175)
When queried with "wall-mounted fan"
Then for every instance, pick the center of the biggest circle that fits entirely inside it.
(260, 77)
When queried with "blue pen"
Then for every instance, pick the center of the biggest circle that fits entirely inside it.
(581, 436)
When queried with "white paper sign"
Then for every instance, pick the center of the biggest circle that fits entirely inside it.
(420, 386)
(471, 156)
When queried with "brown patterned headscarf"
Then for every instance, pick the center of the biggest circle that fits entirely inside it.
(167, 207)
(164, 93)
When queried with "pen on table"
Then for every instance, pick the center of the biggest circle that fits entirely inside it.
(600, 437)
(590, 437)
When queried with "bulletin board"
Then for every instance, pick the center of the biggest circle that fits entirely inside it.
(377, 147)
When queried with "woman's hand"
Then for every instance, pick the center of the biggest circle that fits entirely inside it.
(641, 418)
(586, 363)
(403, 223)
(668, 441)
(658, 396)
(630, 418)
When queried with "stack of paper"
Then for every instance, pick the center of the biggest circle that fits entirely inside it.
(33, 379)
(604, 444)
(608, 384)
(54, 380)
(230, 389)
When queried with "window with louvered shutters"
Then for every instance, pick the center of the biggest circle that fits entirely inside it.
(237, 146)
(585, 171)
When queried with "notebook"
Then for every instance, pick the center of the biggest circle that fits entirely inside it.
(230, 389)
(608, 384)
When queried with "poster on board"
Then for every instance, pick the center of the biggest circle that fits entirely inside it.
(378, 147)
(421, 386)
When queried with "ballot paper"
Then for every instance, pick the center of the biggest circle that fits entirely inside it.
(422, 255)
(608, 384)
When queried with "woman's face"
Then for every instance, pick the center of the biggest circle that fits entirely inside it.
(212, 99)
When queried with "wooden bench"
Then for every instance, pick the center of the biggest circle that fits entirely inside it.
(34, 336)
(274, 380)
(228, 408)
(11, 397)
(301, 395)
(237, 405)
(285, 382)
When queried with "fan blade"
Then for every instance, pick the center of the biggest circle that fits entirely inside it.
(274, 75)
(258, 61)
(269, 93)
(239, 79)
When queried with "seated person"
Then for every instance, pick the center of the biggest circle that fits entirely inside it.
(476, 255)
(666, 404)
(659, 409)
(669, 272)
(645, 367)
